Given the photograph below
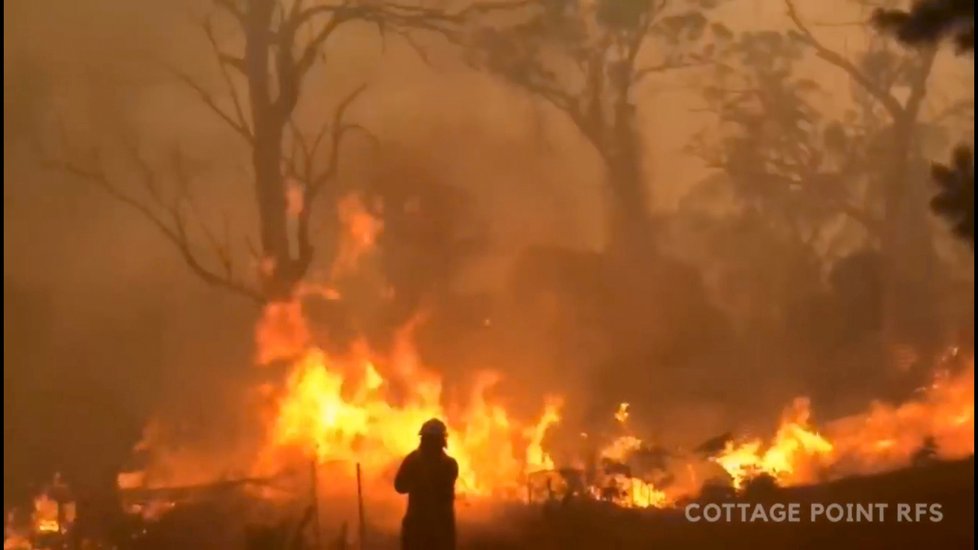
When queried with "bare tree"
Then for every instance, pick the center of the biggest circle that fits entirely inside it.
(281, 43)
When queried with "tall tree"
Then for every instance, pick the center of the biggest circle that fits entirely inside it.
(897, 84)
(927, 22)
(588, 60)
(807, 170)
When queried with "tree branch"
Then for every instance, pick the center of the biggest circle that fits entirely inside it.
(209, 101)
(918, 88)
(174, 231)
(889, 102)
(665, 67)
(315, 182)
(223, 61)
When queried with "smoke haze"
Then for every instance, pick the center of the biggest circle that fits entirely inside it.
(105, 327)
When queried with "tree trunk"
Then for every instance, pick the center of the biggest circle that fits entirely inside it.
(910, 264)
(631, 232)
(278, 277)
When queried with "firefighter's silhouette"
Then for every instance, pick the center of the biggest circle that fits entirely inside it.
(427, 476)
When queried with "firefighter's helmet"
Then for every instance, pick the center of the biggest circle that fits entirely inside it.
(434, 428)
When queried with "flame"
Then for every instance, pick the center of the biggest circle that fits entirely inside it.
(641, 494)
(788, 458)
(347, 409)
(360, 232)
(937, 424)
(46, 515)
(940, 422)
(621, 415)
(363, 406)
(621, 448)
(52, 515)
(281, 333)
(536, 457)
(294, 199)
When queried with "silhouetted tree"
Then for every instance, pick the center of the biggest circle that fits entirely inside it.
(955, 199)
(905, 239)
(929, 21)
(926, 23)
(587, 60)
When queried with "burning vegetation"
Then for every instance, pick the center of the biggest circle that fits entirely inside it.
(788, 314)
(339, 422)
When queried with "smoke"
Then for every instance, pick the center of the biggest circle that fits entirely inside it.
(105, 327)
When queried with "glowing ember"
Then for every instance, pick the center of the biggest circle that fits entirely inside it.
(46, 512)
(52, 515)
(621, 415)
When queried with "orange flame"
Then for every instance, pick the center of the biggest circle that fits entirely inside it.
(621, 415)
(788, 459)
(938, 424)
(365, 408)
(342, 409)
(360, 232)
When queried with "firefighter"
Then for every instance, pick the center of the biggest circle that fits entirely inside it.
(427, 476)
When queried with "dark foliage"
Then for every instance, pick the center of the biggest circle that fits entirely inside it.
(926, 23)
(955, 200)
(929, 21)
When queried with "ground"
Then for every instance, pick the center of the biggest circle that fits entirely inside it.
(593, 525)
(949, 484)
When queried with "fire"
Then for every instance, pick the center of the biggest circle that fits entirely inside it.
(937, 424)
(360, 232)
(788, 458)
(343, 409)
(621, 415)
(621, 448)
(536, 457)
(282, 333)
(940, 423)
(640, 494)
(619, 483)
(51, 518)
(361, 406)
(46, 512)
